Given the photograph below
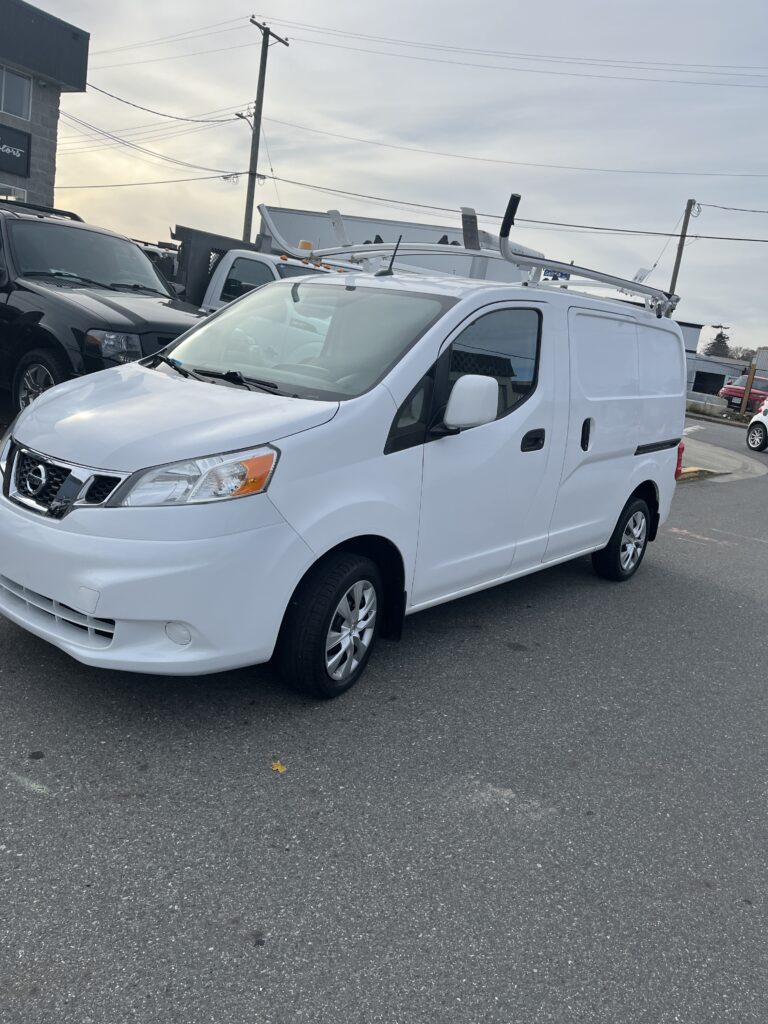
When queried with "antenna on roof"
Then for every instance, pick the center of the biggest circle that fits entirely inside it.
(388, 271)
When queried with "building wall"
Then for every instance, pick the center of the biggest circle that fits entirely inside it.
(43, 127)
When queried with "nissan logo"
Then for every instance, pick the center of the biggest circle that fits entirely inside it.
(36, 480)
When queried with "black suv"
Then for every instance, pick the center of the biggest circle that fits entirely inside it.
(74, 299)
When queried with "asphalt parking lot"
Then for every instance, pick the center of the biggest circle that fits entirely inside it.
(546, 804)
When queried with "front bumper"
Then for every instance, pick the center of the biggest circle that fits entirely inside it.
(106, 600)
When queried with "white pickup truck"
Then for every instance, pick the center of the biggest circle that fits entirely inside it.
(240, 270)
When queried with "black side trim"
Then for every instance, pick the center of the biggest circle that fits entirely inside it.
(657, 446)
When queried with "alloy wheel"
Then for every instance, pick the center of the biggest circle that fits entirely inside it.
(37, 379)
(756, 436)
(633, 541)
(351, 630)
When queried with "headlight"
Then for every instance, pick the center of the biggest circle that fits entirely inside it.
(216, 478)
(123, 348)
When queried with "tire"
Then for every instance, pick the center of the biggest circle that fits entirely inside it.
(36, 372)
(304, 656)
(621, 557)
(757, 437)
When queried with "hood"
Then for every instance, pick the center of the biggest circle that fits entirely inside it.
(132, 312)
(131, 417)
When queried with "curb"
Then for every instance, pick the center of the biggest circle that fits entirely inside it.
(699, 473)
(715, 419)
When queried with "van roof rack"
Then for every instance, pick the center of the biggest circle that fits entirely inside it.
(51, 211)
(661, 302)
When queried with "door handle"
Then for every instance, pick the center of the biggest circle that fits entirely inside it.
(586, 431)
(533, 441)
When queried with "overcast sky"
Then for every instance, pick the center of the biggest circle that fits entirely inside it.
(529, 108)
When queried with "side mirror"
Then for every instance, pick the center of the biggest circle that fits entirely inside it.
(178, 289)
(474, 400)
(4, 277)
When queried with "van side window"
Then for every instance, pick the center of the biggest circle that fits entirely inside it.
(409, 427)
(244, 276)
(503, 344)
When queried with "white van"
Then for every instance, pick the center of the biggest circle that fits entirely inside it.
(263, 489)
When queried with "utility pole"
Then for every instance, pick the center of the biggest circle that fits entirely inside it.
(266, 35)
(681, 244)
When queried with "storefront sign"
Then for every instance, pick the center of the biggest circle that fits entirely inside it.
(14, 151)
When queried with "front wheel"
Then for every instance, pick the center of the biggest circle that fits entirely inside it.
(621, 557)
(331, 626)
(36, 372)
(757, 437)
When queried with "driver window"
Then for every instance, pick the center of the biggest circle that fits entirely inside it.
(244, 276)
(503, 344)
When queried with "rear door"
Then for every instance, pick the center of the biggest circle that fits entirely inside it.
(603, 430)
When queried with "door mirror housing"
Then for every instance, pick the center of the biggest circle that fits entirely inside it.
(4, 277)
(474, 400)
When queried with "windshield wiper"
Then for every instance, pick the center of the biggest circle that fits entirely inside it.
(66, 275)
(235, 377)
(174, 365)
(132, 286)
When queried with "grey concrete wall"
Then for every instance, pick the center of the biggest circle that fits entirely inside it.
(43, 126)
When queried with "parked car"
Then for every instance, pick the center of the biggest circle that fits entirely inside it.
(734, 392)
(257, 490)
(757, 431)
(75, 298)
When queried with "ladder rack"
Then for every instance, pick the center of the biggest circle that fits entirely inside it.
(661, 302)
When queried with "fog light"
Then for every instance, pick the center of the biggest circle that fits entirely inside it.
(179, 633)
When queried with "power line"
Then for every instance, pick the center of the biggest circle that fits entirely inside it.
(140, 149)
(531, 71)
(736, 209)
(176, 56)
(452, 63)
(160, 39)
(149, 110)
(513, 163)
(165, 181)
(85, 145)
(627, 63)
(598, 229)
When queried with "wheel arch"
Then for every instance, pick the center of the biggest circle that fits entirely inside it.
(649, 492)
(31, 338)
(389, 560)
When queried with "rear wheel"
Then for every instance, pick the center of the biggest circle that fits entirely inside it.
(37, 371)
(331, 626)
(621, 557)
(757, 437)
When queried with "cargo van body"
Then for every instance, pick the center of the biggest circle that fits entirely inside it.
(326, 455)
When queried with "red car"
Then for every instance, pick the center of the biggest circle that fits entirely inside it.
(734, 392)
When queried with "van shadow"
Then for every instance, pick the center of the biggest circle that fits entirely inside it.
(258, 694)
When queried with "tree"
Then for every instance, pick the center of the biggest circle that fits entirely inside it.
(719, 345)
(745, 354)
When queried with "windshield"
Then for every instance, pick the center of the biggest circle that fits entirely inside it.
(312, 340)
(42, 248)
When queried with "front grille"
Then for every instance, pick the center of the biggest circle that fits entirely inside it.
(52, 488)
(36, 610)
(100, 489)
(28, 475)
